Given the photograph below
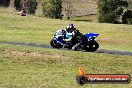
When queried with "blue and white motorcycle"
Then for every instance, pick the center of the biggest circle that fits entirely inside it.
(79, 42)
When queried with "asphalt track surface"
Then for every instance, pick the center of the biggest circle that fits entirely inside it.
(48, 46)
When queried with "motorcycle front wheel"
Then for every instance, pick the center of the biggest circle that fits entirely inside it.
(54, 44)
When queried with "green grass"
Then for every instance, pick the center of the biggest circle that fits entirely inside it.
(38, 30)
(89, 18)
(25, 67)
(33, 67)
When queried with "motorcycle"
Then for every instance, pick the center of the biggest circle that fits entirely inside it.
(84, 42)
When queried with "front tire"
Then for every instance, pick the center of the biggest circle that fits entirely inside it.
(54, 44)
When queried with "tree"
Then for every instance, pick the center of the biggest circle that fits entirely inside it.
(52, 9)
(68, 8)
(1, 3)
(31, 6)
(28, 5)
(4, 3)
(130, 4)
(18, 4)
(110, 10)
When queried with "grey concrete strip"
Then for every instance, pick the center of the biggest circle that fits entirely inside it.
(27, 44)
(114, 52)
(48, 46)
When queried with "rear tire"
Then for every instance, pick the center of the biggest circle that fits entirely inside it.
(94, 46)
(91, 46)
(87, 46)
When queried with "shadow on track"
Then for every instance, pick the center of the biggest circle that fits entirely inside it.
(48, 46)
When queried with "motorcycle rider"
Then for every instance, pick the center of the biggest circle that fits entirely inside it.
(69, 35)
(69, 32)
(73, 36)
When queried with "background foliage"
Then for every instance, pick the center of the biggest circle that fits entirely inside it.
(52, 8)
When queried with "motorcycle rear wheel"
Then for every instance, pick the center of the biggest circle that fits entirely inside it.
(95, 46)
(91, 46)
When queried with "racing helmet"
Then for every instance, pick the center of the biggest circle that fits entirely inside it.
(70, 28)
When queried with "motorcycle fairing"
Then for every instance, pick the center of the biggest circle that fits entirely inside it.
(91, 36)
